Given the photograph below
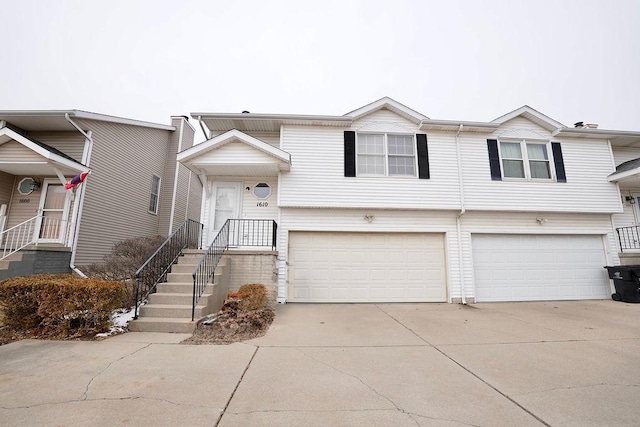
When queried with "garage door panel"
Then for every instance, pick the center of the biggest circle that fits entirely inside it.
(366, 267)
(539, 267)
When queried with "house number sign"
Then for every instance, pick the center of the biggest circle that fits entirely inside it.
(262, 204)
(24, 201)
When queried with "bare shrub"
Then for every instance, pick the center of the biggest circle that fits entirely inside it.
(123, 261)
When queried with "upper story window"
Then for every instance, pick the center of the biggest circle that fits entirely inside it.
(524, 159)
(155, 194)
(386, 154)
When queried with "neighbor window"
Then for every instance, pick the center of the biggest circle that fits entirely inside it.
(386, 154)
(525, 160)
(155, 194)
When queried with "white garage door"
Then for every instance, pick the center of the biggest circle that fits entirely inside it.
(539, 267)
(366, 267)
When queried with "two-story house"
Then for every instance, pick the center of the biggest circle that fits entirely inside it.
(384, 204)
(135, 186)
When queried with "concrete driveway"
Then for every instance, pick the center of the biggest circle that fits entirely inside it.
(548, 363)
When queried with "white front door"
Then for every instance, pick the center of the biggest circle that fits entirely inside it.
(54, 208)
(224, 204)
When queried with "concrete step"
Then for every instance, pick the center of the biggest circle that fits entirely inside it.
(176, 288)
(16, 257)
(183, 268)
(160, 324)
(173, 298)
(179, 277)
(181, 311)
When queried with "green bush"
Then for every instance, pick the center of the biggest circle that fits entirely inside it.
(252, 296)
(122, 262)
(59, 306)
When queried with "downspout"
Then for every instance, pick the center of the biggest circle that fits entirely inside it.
(86, 159)
(459, 217)
(204, 132)
(175, 180)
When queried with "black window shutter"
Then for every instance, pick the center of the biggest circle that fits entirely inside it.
(349, 153)
(423, 156)
(558, 160)
(494, 159)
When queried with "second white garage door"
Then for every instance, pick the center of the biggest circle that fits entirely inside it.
(539, 267)
(366, 267)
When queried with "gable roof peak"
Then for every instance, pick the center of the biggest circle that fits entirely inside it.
(389, 104)
(533, 115)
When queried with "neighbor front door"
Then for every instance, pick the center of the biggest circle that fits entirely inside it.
(54, 208)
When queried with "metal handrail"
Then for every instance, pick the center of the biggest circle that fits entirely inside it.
(628, 237)
(155, 269)
(234, 233)
(24, 234)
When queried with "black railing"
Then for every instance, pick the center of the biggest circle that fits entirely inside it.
(155, 269)
(234, 233)
(629, 237)
(252, 232)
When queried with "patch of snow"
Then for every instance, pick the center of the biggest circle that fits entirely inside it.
(120, 319)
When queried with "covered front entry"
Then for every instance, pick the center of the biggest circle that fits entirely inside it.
(366, 267)
(539, 267)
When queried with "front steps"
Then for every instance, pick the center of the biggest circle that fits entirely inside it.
(169, 309)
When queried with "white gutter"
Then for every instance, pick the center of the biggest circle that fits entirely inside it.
(79, 203)
(459, 217)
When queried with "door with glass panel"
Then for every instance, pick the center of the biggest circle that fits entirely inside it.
(224, 204)
(52, 224)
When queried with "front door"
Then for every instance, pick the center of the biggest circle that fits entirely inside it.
(54, 208)
(224, 204)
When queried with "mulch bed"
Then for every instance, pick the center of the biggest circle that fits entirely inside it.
(231, 324)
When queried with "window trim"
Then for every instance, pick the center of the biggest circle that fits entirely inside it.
(155, 205)
(526, 162)
(385, 141)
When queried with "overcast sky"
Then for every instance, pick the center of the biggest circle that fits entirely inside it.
(464, 60)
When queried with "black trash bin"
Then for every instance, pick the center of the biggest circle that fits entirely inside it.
(626, 279)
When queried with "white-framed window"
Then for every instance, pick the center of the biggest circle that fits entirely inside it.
(155, 194)
(262, 190)
(525, 160)
(385, 154)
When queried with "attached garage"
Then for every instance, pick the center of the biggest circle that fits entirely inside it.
(366, 267)
(539, 267)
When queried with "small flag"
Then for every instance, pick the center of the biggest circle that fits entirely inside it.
(76, 180)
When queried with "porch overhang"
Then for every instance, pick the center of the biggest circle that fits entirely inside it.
(40, 159)
(235, 153)
(627, 173)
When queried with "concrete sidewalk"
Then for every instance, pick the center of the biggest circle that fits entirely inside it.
(547, 363)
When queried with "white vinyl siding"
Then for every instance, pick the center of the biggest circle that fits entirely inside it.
(539, 267)
(317, 177)
(624, 154)
(587, 164)
(236, 152)
(366, 267)
(271, 138)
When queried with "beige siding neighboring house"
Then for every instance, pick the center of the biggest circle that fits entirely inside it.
(129, 191)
